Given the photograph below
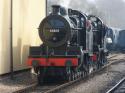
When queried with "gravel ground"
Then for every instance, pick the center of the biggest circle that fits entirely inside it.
(93, 85)
(101, 82)
(19, 82)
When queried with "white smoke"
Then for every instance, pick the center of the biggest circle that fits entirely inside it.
(65, 3)
(85, 6)
(92, 1)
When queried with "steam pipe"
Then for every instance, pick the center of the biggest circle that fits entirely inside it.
(11, 39)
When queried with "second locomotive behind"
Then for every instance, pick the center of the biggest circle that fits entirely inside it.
(73, 44)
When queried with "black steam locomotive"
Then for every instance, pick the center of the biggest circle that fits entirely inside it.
(73, 45)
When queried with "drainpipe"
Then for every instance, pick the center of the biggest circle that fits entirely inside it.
(46, 8)
(11, 39)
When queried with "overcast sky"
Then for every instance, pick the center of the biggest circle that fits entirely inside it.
(113, 11)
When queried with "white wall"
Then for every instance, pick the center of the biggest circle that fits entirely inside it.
(27, 15)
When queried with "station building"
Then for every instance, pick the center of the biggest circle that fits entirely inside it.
(27, 15)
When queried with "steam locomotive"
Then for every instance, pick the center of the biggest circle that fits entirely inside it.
(117, 39)
(73, 45)
(121, 40)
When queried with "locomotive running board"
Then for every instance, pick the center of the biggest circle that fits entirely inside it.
(54, 56)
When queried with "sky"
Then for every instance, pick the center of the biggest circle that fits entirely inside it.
(114, 11)
(111, 11)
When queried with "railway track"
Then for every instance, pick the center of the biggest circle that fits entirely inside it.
(118, 88)
(35, 88)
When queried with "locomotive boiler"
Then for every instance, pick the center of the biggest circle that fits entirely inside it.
(73, 44)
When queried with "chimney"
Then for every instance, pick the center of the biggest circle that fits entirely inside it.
(55, 9)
